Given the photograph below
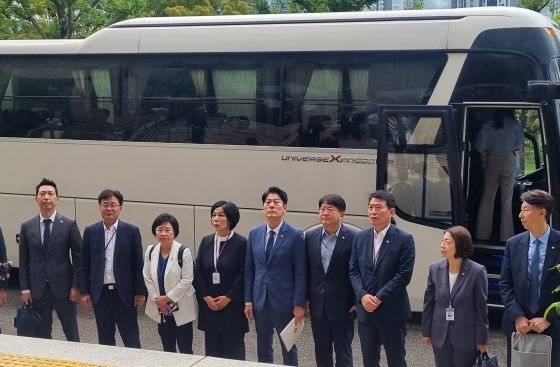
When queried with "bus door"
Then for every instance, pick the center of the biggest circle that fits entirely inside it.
(529, 173)
(419, 162)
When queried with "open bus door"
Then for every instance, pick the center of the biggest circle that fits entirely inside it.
(419, 162)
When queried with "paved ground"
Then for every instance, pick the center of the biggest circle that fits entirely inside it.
(418, 355)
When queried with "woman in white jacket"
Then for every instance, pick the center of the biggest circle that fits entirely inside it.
(171, 299)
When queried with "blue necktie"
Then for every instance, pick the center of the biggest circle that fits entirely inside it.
(534, 284)
(47, 234)
(269, 245)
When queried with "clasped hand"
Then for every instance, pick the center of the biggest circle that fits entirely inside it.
(217, 303)
(524, 325)
(370, 302)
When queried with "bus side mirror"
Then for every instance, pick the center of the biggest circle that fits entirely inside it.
(541, 90)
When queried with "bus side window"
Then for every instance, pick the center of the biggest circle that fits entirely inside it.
(530, 157)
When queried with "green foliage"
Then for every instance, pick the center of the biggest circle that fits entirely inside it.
(556, 18)
(535, 5)
(415, 5)
(262, 7)
(319, 6)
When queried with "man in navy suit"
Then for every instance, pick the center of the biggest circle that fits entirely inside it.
(527, 280)
(275, 276)
(330, 297)
(111, 273)
(380, 269)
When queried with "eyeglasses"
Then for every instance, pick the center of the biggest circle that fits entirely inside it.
(161, 230)
(107, 206)
(329, 210)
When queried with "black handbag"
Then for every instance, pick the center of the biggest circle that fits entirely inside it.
(27, 321)
(485, 360)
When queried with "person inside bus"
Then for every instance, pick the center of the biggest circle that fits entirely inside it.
(381, 268)
(275, 276)
(332, 141)
(455, 316)
(198, 123)
(171, 297)
(498, 141)
(402, 191)
(219, 282)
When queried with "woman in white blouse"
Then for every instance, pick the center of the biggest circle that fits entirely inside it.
(171, 300)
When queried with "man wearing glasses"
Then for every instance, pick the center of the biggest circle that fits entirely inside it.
(331, 302)
(49, 263)
(111, 274)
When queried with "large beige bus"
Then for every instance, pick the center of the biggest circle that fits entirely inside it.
(178, 113)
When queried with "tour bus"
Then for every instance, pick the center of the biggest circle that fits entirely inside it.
(178, 113)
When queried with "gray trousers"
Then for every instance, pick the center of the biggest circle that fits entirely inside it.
(446, 356)
(499, 172)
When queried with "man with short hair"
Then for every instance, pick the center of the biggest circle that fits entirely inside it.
(275, 276)
(111, 276)
(331, 302)
(49, 263)
(528, 280)
(380, 270)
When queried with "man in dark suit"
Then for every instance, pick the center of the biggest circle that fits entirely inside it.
(275, 276)
(527, 280)
(111, 274)
(3, 281)
(49, 263)
(380, 269)
(330, 297)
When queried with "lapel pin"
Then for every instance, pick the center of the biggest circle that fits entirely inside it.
(281, 235)
(462, 273)
(387, 241)
(343, 237)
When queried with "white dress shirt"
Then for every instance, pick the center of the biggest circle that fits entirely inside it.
(110, 238)
(377, 241)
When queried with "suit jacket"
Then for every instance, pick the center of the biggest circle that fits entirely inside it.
(177, 281)
(390, 277)
(332, 291)
(231, 266)
(128, 262)
(514, 282)
(56, 264)
(283, 278)
(3, 259)
(468, 298)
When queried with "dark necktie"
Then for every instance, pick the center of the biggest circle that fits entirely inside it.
(534, 284)
(47, 234)
(269, 245)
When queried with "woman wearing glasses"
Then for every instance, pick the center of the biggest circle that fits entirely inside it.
(168, 273)
(220, 267)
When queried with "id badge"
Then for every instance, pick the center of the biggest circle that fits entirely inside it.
(216, 278)
(450, 314)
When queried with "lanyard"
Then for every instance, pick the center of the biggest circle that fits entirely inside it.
(327, 247)
(110, 239)
(217, 247)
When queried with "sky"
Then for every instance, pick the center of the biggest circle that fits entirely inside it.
(437, 4)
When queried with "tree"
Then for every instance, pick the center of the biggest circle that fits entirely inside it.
(63, 18)
(318, 6)
(196, 7)
(536, 5)
(415, 5)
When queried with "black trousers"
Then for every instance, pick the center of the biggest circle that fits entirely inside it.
(555, 356)
(109, 312)
(376, 332)
(173, 335)
(230, 346)
(326, 333)
(65, 310)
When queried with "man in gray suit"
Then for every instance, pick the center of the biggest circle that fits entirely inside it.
(48, 275)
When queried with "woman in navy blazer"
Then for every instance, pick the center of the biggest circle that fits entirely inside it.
(219, 277)
(455, 316)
